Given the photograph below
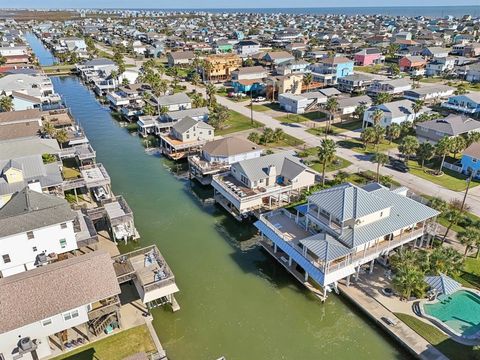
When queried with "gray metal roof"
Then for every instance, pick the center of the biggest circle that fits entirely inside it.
(14, 148)
(29, 210)
(187, 123)
(443, 284)
(194, 112)
(179, 98)
(325, 247)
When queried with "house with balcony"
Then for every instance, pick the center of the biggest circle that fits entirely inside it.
(129, 96)
(393, 86)
(185, 138)
(301, 103)
(258, 184)
(220, 67)
(368, 56)
(471, 160)
(440, 66)
(174, 102)
(395, 112)
(249, 79)
(355, 83)
(245, 48)
(453, 125)
(429, 93)
(218, 155)
(180, 58)
(34, 229)
(44, 309)
(466, 103)
(329, 70)
(341, 229)
(414, 65)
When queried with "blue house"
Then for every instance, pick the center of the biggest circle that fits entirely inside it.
(330, 69)
(471, 160)
(466, 103)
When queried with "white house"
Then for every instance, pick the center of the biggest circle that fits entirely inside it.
(175, 102)
(395, 86)
(34, 228)
(301, 103)
(393, 112)
(39, 304)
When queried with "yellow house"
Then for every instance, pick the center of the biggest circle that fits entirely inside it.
(220, 67)
(291, 84)
(12, 173)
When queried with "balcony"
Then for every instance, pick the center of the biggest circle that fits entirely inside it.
(206, 167)
(466, 108)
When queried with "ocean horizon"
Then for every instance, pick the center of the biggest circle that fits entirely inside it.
(430, 11)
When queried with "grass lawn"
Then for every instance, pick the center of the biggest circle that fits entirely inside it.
(357, 146)
(288, 140)
(265, 107)
(450, 179)
(442, 342)
(336, 128)
(298, 118)
(371, 69)
(70, 171)
(115, 347)
(58, 68)
(338, 164)
(469, 276)
(237, 122)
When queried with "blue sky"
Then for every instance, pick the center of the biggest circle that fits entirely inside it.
(224, 4)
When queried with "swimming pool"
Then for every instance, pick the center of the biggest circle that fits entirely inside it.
(459, 311)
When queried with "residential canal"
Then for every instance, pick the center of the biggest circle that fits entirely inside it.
(235, 300)
(43, 55)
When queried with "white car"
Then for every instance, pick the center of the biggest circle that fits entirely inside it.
(259, 99)
(100, 193)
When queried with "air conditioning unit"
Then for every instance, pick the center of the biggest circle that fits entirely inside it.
(25, 344)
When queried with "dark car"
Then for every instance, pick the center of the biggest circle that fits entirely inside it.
(399, 166)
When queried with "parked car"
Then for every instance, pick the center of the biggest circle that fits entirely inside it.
(259, 99)
(100, 193)
(399, 166)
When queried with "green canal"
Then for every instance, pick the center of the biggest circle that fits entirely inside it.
(235, 300)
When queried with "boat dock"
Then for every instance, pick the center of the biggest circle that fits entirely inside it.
(413, 342)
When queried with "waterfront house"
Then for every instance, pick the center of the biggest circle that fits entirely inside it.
(301, 103)
(429, 93)
(329, 70)
(368, 56)
(261, 183)
(180, 58)
(34, 229)
(186, 137)
(45, 308)
(393, 112)
(19, 124)
(341, 229)
(452, 125)
(174, 102)
(394, 86)
(466, 103)
(218, 155)
(471, 160)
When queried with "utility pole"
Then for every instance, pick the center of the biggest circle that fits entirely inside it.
(251, 106)
(469, 181)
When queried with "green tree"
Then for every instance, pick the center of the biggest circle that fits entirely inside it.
(376, 116)
(444, 260)
(48, 128)
(392, 49)
(438, 204)
(408, 147)
(195, 79)
(254, 137)
(219, 117)
(61, 136)
(379, 135)
(341, 177)
(210, 90)
(380, 159)
(472, 137)
(394, 69)
(360, 111)
(331, 106)
(410, 281)
(393, 132)
(307, 80)
(417, 106)
(442, 148)
(383, 98)
(6, 103)
(425, 152)
(470, 238)
(367, 136)
(267, 136)
(461, 89)
(326, 155)
(278, 135)
(457, 144)
(149, 110)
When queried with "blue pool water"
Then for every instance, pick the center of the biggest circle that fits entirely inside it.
(459, 311)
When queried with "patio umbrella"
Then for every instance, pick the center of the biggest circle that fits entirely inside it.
(442, 284)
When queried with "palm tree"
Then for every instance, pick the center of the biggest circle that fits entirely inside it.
(453, 215)
(195, 79)
(393, 132)
(163, 110)
(197, 100)
(392, 49)
(445, 260)
(210, 90)
(254, 137)
(457, 144)
(461, 89)
(469, 238)
(6, 103)
(359, 111)
(376, 116)
(307, 80)
(443, 149)
(218, 117)
(331, 106)
(278, 135)
(148, 110)
(61, 136)
(394, 69)
(267, 136)
(425, 151)
(438, 204)
(383, 98)
(367, 136)
(379, 135)
(472, 137)
(417, 106)
(48, 128)
(408, 281)
(341, 176)
(380, 159)
(326, 155)
(408, 147)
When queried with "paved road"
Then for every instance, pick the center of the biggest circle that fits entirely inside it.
(359, 162)
(128, 60)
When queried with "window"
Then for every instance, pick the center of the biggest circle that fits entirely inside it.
(46, 322)
(30, 235)
(6, 258)
(63, 243)
(63, 225)
(70, 315)
(34, 249)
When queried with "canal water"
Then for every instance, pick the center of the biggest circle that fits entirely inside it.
(235, 300)
(43, 55)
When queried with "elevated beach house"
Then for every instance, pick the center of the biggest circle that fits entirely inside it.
(466, 103)
(341, 229)
(261, 183)
(218, 155)
(393, 112)
(452, 125)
